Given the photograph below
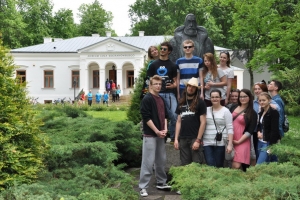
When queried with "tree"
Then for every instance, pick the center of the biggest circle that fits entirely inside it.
(11, 24)
(63, 25)
(37, 15)
(94, 19)
(22, 145)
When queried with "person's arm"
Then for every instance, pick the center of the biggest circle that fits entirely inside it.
(177, 131)
(201, 83)
(229, 127)
(178, 81)
(160, 134)
(229, 84)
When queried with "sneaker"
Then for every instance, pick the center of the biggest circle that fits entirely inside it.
(178, 192)
(143, 193)
(163, 186)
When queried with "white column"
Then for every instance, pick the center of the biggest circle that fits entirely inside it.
(83, 76)
(120, 79)
(102, 79)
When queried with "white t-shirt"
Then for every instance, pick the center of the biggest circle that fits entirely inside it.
(217, 79)
(223, 117)
(230, 74)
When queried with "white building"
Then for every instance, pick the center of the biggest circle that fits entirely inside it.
(51, 68)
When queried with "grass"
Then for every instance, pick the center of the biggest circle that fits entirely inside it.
(111, 115)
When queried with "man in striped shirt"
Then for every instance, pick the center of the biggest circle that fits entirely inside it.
(187, 67)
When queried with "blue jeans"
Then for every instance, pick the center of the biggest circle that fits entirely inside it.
(214, 155)
(171, 104)
(263, 156)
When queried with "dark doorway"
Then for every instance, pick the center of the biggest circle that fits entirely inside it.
(113, 75)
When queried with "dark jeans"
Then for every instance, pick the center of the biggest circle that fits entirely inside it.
(214, 155)
(187, 154)
(90, 102)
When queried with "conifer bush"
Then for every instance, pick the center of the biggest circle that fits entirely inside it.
(22, 145)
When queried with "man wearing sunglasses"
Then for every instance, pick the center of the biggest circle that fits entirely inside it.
(168, 71)
(187, 67)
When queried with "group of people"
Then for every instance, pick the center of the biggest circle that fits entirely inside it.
(195, 95)
(98, 97)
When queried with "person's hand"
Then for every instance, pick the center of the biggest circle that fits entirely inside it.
(273, 106)
(176, 144)
(196, 146)
(259, 135)
(161, 134)
(207, 86)
(169, 85)
(229, 148)
(201, 96)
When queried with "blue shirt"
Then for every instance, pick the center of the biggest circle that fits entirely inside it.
(98, 97)
(280, 103)
(90, 96)
(105, 97)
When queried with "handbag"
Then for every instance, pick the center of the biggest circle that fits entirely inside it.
(286, 124)
(230, 156)
(219, 133)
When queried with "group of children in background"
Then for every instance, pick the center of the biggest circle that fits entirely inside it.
(115, 92)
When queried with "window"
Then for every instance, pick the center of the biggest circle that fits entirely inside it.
(130, 79)
(47, 101)
(21, 75)
(48, 78)
(95, 78)
(75, 77)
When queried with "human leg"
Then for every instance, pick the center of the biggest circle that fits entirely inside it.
(219, 156)
(209, 155)
(160, 161)
(148, 157)
(185, 151)
(262, 152)
(171, 107)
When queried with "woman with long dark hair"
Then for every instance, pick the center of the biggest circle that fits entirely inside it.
(244, 124)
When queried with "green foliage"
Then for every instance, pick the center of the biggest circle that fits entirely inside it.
(94, 19)
(22, 145)
(133, 113)
(266, 181)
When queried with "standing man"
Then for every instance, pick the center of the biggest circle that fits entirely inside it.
(154, 114)
(190, 125)
(168, 71)
(274, 87)
(98, 97)
(187, 67)
(90, 98)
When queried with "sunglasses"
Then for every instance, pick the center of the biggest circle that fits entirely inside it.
(164, 49)
(188, 47)
(262, 82)
(226, 52)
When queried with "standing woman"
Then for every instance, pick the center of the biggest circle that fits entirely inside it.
(225, 66)
(214, 78)
(218, 119)
(267, 129)
(244, 124)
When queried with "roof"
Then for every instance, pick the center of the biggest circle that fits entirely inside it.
(73, 45)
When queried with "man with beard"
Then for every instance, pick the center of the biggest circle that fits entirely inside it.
(190, 125)
(190, 30)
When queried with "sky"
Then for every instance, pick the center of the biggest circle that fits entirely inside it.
(119, 9)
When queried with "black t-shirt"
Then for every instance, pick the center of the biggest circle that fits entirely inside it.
(166, 69)
(190, 121)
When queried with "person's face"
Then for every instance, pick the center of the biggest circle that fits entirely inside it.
(156, 86)
(190, 90)
(207, 62)
(257, 90)
(164, 51)
(223, 58)
(272, 86)
(234, 97)
(188, 48)
(264, 102)
(154, 52)
(244, 98)
(190, 26)
(215, 98)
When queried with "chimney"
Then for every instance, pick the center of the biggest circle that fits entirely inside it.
(108, 33)
(58, 39)
(47, 40)
(141, 33)
(95, 35)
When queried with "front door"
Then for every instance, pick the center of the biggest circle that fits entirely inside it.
(112, 75)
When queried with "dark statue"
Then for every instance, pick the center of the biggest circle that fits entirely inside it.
(190, 30)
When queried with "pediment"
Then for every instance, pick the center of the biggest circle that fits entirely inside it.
(110, 45)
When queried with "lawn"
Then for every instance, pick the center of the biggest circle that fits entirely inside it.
(111, 115)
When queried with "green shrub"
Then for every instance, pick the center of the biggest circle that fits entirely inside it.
(22, 145)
